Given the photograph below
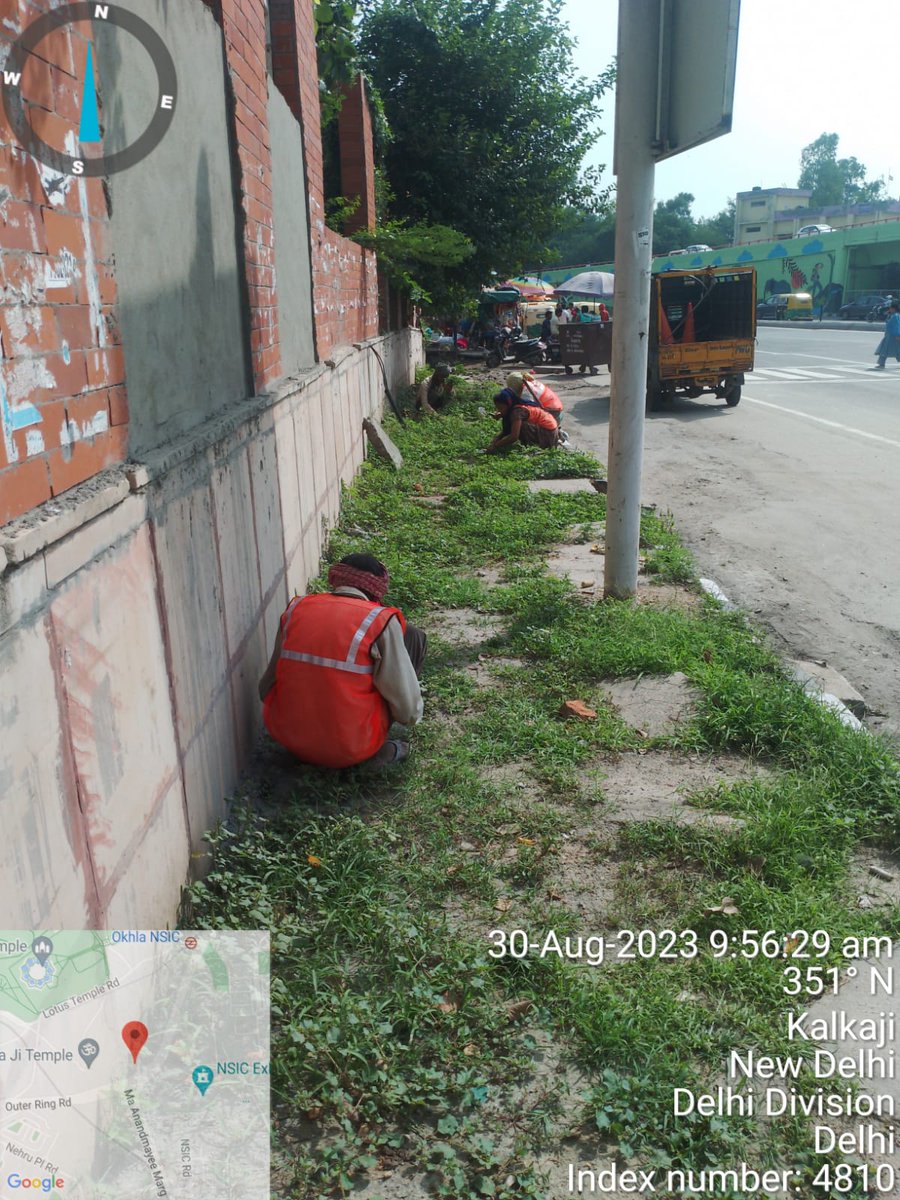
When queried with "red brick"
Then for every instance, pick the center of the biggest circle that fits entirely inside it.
(39, 329)
(37, 84)
(19, 174)
(118, 406)
(97, 205)
(70, 377)
(51, 128)
(63, 232)
(105, 368)
(106, 280)
(82, 409)
(87, 459)
(21, 227)
(66, 96)
(23, 486)
(75, 326)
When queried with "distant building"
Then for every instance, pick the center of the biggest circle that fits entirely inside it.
(776, 214)
(757, 212)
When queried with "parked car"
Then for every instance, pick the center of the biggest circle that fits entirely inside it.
(812, 230)
(696, 249)
(863, 308)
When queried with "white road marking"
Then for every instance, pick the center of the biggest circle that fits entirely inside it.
(874, 437)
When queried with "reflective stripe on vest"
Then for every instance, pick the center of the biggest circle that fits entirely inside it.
(337, 664)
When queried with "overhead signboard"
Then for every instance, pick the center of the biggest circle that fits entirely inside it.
(694, 65)
(697, 57)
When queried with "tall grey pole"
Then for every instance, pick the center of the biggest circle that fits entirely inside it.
(636, 92)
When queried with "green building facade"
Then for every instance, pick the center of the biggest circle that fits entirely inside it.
(833, 267)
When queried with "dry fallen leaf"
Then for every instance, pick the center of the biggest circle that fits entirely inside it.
(553, 895)
(470, 1050)
(524, 841)
(503, 905)
(313, 860)
(707, 655)
(449, 1002)
(519, 1008)
(728, 908)
(313, 1114)
(790, 945)
(453, 869)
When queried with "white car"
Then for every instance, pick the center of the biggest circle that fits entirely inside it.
(696, 249)
(811, 230)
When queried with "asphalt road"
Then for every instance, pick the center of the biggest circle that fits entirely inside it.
(789, 501)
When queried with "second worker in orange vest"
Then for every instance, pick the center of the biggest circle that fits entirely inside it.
(343, 668)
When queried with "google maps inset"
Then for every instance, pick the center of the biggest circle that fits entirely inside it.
(134, 1063)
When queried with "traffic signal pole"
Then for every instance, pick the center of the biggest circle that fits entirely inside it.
(636, 99)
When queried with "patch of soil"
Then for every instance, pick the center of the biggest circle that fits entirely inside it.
(653, 787)
(485, 670)
(581, 1155)
(870, 889)
(464, 626)
(489, 575)
(583, 881)
(651, 703)
(669, 595)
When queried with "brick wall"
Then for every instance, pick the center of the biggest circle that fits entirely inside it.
(63, 402)
(63, 399)
(244, 25)
(345, 283)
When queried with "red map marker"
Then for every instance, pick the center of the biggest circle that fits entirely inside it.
(134, 1035)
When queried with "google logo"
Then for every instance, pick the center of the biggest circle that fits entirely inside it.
(41, 1185)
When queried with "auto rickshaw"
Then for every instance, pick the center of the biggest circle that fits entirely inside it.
(702, 333)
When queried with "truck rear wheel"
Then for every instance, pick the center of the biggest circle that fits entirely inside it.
(733, 395)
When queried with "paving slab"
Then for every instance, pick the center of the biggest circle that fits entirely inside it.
(561, 485)
(382, 443)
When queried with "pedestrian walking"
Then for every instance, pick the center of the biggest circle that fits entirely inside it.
(889, 346)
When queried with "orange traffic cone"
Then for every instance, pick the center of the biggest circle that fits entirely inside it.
(689, 334)
(665, 330)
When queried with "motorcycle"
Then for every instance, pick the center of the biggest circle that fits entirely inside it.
(509, 343)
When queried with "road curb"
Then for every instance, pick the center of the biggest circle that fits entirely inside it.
(807, 678)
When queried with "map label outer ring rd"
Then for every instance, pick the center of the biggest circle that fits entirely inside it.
(106, 164)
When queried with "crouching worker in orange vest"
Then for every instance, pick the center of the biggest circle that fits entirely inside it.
(524, 420)
(343, 668)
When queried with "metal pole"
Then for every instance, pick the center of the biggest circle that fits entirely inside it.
(636, 87)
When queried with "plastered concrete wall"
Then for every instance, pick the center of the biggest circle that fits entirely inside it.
(131, 646)
(292, 261)
(173, 229)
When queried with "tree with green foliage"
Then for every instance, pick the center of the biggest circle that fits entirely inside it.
(489, 125)
(673, 225)
(834, 180)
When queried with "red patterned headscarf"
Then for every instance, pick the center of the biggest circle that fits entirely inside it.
(343, 575)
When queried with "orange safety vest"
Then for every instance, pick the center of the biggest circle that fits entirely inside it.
(545, 396)
(536, 416)
(324, 706)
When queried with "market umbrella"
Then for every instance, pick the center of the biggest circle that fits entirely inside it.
(588, 283)
(531, 287)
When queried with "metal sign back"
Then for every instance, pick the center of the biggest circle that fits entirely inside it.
(695, 82)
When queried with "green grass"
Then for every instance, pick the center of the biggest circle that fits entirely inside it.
(393, 1042)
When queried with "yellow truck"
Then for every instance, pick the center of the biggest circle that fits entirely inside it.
(702, 333)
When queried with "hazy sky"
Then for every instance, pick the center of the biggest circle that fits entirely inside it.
(803, 69)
